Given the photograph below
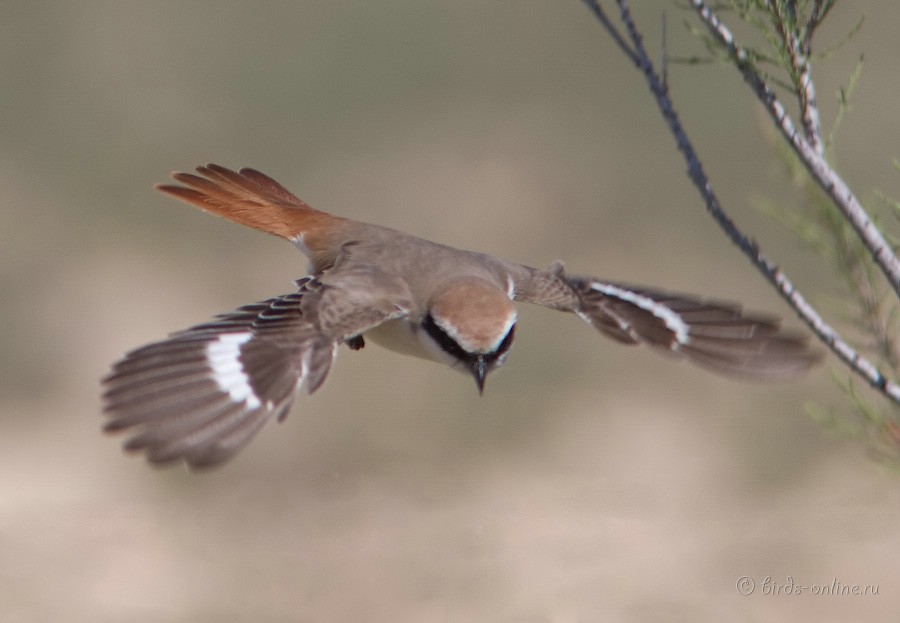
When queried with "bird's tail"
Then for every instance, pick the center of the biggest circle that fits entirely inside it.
(249, 198)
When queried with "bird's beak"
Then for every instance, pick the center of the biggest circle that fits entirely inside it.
(479, 371)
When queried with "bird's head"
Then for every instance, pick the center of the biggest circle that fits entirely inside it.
(473, 323)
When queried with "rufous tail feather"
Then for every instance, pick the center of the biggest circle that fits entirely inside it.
(249, 198)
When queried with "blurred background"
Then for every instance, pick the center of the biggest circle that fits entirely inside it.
(591, 482)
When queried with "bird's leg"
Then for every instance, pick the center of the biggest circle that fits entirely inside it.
(356, 342)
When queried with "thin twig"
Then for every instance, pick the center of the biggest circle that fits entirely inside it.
(818, 13)
(769, 270)
(600, 14)
(801, 74)
(826, 177)
(811, 24)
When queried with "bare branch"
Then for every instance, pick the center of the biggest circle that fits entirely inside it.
(826, 177)
(774, 275)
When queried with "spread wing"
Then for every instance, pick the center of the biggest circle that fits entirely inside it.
(203, 393)
(715, 335)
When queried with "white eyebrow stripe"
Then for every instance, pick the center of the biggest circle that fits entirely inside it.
(223, 356)
(672, 320)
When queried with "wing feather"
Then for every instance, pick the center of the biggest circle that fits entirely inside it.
(715, 335)
(202, 394)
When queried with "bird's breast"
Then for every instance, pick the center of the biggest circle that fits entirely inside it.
(407, 338)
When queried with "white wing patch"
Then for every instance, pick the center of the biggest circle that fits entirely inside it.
(223, 356)
(672, 320)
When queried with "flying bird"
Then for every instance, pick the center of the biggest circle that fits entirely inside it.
(200, 395)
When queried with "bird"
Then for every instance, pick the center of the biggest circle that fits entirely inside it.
(200, 395)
